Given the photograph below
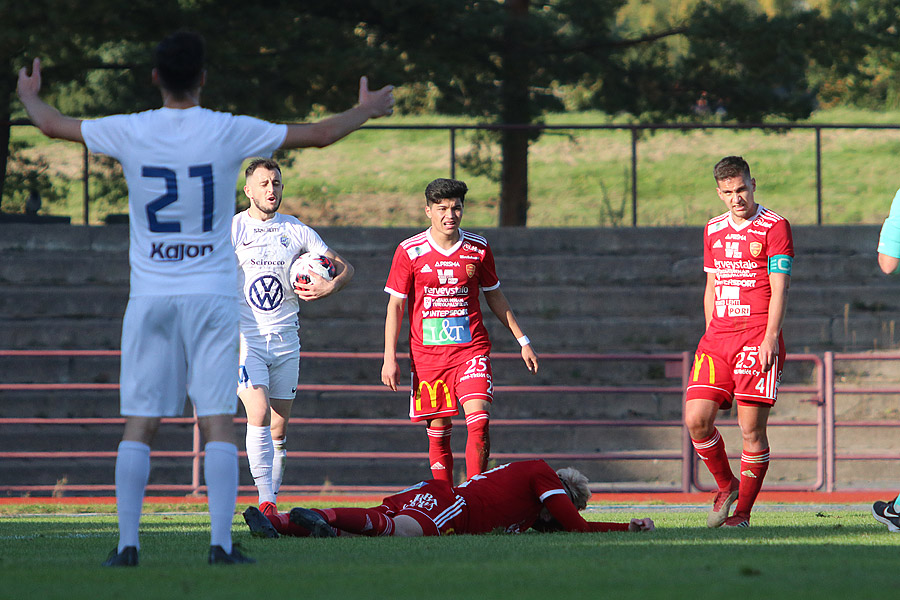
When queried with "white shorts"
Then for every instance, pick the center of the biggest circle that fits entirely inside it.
(177, 347)
(272, 360)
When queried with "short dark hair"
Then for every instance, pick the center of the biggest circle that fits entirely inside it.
(442, 189)
(179, 60)
(261, 163)
(731, 166)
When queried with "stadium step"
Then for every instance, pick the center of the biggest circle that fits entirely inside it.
(574, 291)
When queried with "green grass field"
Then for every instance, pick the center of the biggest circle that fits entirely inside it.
(577, 178)
(820, 553)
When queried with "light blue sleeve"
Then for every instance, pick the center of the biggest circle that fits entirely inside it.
(889, 241)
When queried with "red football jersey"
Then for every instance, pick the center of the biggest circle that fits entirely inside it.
(510, 497)
(441, 289)
(739, 257)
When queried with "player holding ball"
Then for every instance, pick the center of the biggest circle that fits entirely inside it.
(439, 272)
(266, 243)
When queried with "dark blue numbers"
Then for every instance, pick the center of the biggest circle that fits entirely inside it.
(204, 172)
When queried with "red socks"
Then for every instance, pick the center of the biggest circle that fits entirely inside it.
(712, 452)
(478, 443)
(440, 457)
(362, 521)
(478, 447)
(282, 524)
(753, 470)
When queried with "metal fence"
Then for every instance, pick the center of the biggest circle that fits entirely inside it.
(823, 392)
(636, 132)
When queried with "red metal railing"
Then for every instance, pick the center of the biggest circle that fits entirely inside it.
(822, 393)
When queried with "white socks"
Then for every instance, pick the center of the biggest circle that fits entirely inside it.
(260, 453)
(278, 463)
(132, 472)
(220, 469)
(221, 474)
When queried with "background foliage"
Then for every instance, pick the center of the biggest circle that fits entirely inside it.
(511, 62)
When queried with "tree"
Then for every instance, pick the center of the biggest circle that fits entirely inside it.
(500, 62)
(504, 61)
(76, 45)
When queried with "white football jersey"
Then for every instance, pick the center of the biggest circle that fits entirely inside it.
(265, 251)
(181, 166)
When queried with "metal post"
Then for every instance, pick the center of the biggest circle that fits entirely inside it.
(84, 184)
(452, 153)
(687, 447)
(818, 175)
(634, 137)
(195, 460)
(830, 474)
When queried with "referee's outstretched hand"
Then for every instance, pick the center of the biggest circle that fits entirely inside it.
(379, 103)
(29, 85)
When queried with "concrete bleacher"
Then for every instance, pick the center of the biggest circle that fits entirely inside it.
(574, 291)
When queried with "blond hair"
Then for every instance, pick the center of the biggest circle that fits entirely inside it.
(576, 485)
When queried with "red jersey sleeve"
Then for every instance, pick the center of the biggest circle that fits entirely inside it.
(708, 265)
(548, 488)
(562, 509)
(487, 276)
(399, 280)
(780, 239)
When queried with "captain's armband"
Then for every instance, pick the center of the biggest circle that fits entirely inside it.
(781, 263)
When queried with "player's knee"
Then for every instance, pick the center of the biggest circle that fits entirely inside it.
(754, 438)
(405, 526)
(217, 428)
(699, 426)
(140, 429)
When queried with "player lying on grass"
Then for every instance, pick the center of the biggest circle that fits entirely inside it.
(511, 498)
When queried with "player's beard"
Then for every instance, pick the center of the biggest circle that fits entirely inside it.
(264, 208)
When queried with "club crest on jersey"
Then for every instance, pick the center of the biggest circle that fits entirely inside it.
(266, 293)
(285, 241)
(470, 270)
(755, 248)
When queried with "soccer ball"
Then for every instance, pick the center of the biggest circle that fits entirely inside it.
(311, 263)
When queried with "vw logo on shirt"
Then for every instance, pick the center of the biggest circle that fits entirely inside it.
(265, 293)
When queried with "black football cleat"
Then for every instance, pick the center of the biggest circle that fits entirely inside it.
(259, 524)
(884, 512)
(310, 519)
(218, 556)
(128, 557)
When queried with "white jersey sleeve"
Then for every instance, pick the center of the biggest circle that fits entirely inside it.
(181, 167)
(265, 251)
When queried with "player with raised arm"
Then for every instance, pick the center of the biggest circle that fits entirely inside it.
(266, 243)
(747, 255)
(439, 272)
(511, 498)
(180, 333)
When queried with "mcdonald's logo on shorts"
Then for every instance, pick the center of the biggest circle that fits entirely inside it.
(698, 367)
(433, 390)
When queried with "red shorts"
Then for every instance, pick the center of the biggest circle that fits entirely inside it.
(435, 394)
(726, 367)
(433, 504)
